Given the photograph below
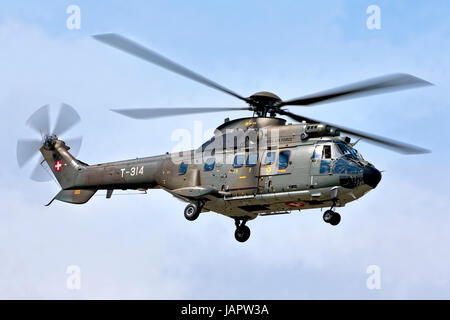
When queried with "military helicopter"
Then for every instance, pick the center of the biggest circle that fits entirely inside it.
(253, 166)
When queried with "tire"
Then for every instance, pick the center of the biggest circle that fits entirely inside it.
(242, 233)
(335, 219)
(328, 216)
(191, 212)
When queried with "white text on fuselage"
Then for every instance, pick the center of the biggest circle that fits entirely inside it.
(133, 171)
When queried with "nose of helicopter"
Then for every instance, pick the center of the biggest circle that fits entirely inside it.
(371, 176)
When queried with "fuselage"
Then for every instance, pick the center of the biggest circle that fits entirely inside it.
(251, 166)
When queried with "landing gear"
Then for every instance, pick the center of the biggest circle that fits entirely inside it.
(192, 210)
(242, 232)
(332, 217)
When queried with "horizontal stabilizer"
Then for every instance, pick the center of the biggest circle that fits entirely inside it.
(74, 196)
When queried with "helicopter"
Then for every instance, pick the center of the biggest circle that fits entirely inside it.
(253, 166)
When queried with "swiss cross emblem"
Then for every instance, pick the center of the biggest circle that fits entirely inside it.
(58, 165)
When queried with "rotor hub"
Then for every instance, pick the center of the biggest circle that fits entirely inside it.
(264, 103)
(50, 140)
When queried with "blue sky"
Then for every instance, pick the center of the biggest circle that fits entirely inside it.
(140, 246)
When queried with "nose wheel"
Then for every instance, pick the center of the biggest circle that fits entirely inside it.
(332, 217)
(242, 232)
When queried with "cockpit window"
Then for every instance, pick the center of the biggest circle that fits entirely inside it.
(345, 166)
(326, 152)
(347, 150)
(325, 166)
(317, 154)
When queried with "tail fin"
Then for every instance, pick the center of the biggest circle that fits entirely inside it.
(69, 173)
(66, 169)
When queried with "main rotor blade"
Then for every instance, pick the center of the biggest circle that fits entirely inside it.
(394, 145)
(40, 120)
(149, 113)
(26, 149)
(120, 42)
(74, 144)
(387, 83)
(67, 118)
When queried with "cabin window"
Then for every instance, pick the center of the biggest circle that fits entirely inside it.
(283, 159)
(183, 168)
(270, 158)
(238, 161)
(209, 164)
(252, 160)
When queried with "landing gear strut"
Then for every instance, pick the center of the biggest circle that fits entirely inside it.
(192, 210)
(242, 232)
(332, 217)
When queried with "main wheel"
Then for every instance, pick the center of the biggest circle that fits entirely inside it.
(191, 212)
(335, 219)
(242, 233)
(328, 216)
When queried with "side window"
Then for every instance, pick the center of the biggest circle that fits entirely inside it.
(325, 166)
(252, 160)
(270, 158)
(182, 169)
(317, 152)
(238, 161)
(326, 152)
(209, 164)
(283, 159)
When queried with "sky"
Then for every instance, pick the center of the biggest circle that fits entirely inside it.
(140, 246)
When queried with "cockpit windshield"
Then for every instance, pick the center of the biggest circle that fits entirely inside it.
(347, 150)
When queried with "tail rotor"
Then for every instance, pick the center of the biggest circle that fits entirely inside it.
(28, 149)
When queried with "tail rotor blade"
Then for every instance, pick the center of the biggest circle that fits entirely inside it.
(26, 149)
(39, 173)
(67, 118)
(74, 144)
(40, 120)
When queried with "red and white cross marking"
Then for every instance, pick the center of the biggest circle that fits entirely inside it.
(295, 204)
(58, 165)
